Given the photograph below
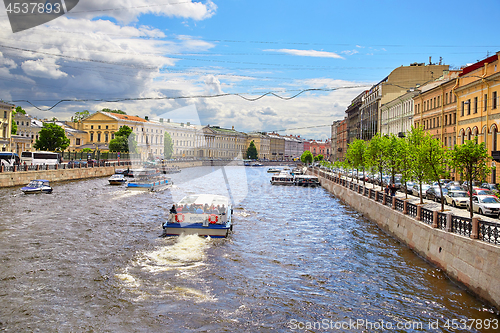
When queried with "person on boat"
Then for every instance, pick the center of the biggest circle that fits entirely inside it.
(173, 212)
(222, 210)
(199, 210)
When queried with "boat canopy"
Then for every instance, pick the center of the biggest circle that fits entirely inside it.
(202, 199)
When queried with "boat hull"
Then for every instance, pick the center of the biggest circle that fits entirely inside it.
(153, 186)
(117, 182)
(177, 230)
(35, 191)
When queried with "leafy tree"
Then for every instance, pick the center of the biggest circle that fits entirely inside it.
(420, 167)
(375, 154)
(356, 154)
(405, 162)
(252, 151)
(471, 159)
(318, 158)
(51, 138)
(114, 111)
(20, 110)
(437, 158)
(80, 115)
(306, 157)
(391, 153)
(168, 146)
(87, 150)
(124, 140)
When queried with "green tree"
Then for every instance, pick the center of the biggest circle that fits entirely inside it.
(391, 145)
(318, 158)
(114, 111)
(87, 150)
(168, 146)
(306, 157)
(252, 151)
(13, 129)
(375, 154)
(471, 160)
(437, 159)
(80, 115)
(356, 154)
(405, 162)
(420, 167)
(51, 137)
(124, 141)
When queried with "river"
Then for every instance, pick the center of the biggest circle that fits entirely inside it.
(88, 258)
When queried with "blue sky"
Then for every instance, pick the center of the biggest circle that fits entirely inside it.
(114, 50)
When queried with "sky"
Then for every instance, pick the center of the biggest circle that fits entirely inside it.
(288, 66)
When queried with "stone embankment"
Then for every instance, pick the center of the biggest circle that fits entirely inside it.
(467, 250)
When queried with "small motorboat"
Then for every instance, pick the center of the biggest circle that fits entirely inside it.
(201, 214)
(148, 180)
(273, 170)
(37, 186)
(117, 179)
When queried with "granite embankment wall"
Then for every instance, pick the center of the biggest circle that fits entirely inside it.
(472, 262)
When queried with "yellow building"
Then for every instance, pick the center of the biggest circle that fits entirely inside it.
(478, 111)
(6, 125)
(262, 143)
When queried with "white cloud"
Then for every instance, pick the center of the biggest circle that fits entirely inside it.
(43, 68)
(307, 53)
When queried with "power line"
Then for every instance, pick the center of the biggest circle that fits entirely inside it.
(270, 93)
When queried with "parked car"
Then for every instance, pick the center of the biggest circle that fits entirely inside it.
(434, 193)
(491, 187)
(416, 189)
(77, 164)
(465, 185)
(457, 198)
(485, 205)
(409, 187)
(453, 187)
(482, 191)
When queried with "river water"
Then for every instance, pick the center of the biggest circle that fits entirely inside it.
(88, 258)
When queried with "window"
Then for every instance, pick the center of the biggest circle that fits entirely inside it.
(468, 107)
(77, 141)
(445, 120)
(91, 126)
(439, 100)
(106, 137)
(485, 102)
(445, 98)
(99, 127)
(106, 126)
(475, 104)
(98, 137)
(462, 110)
(494, 100)
(91, 137)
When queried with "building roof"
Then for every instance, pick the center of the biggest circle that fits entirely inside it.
(119, 116)
(478, 64)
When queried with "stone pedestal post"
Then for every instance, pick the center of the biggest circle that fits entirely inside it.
(405, 207)
(384, 201)
(419, 212)
(475, 228)
(435, 219)
(448, 222)
(394, 202)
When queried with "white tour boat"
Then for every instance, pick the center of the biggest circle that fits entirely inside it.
(201, 214)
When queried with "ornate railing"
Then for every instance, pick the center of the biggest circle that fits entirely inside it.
(388, 201)
(380, 197)
(373, 194)
(461, 225)
(426, 215)
(400, 205)
(441, 222)
(489, 232)
(412, 209)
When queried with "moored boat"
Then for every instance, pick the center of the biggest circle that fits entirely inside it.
(37, 186)
(273, 170)
(117, 179)
(201, 214)
(306, 180)
(283, 178)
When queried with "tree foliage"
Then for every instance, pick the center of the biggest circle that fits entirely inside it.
(356, 155)
(51, 137)
(168, 146)
(471, 160)
(114, 111)
(80, 115)
(306, 157)
(124, 141)
(252, 153)
(318, 158)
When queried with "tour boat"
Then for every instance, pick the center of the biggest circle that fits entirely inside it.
(297, 171)
(306, 180)
(201, 214)
(37, 186)
(117, 179)
(273, 170)
(148, 180)
(283, 178)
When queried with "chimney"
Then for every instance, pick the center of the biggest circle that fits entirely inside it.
(147, 118)
(188, 123)
(161, 120)
(168, 120)
(233, 128)
(182, 124)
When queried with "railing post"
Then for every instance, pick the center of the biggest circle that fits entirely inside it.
(405, 207)
(448, 222)
(435, 219)
(475, 228)
(419, 212)
(385, 199)
(394, 202)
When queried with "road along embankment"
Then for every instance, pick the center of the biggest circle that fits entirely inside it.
(467, 250)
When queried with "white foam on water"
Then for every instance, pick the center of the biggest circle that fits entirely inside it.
(128, 280)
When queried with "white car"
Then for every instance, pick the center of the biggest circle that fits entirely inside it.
(485, 204)
(457, 198)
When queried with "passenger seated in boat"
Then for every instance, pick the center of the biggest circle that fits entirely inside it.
(199, 210)
(222, 210)
(173, 211)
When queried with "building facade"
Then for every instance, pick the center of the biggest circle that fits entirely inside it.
(277, 147)
(6, 125)
(398, 114)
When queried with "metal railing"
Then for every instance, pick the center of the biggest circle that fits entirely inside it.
(400, 205)
(441, 222)
(461, 225)
(412, 209)
(489, 232)
(426, 215)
